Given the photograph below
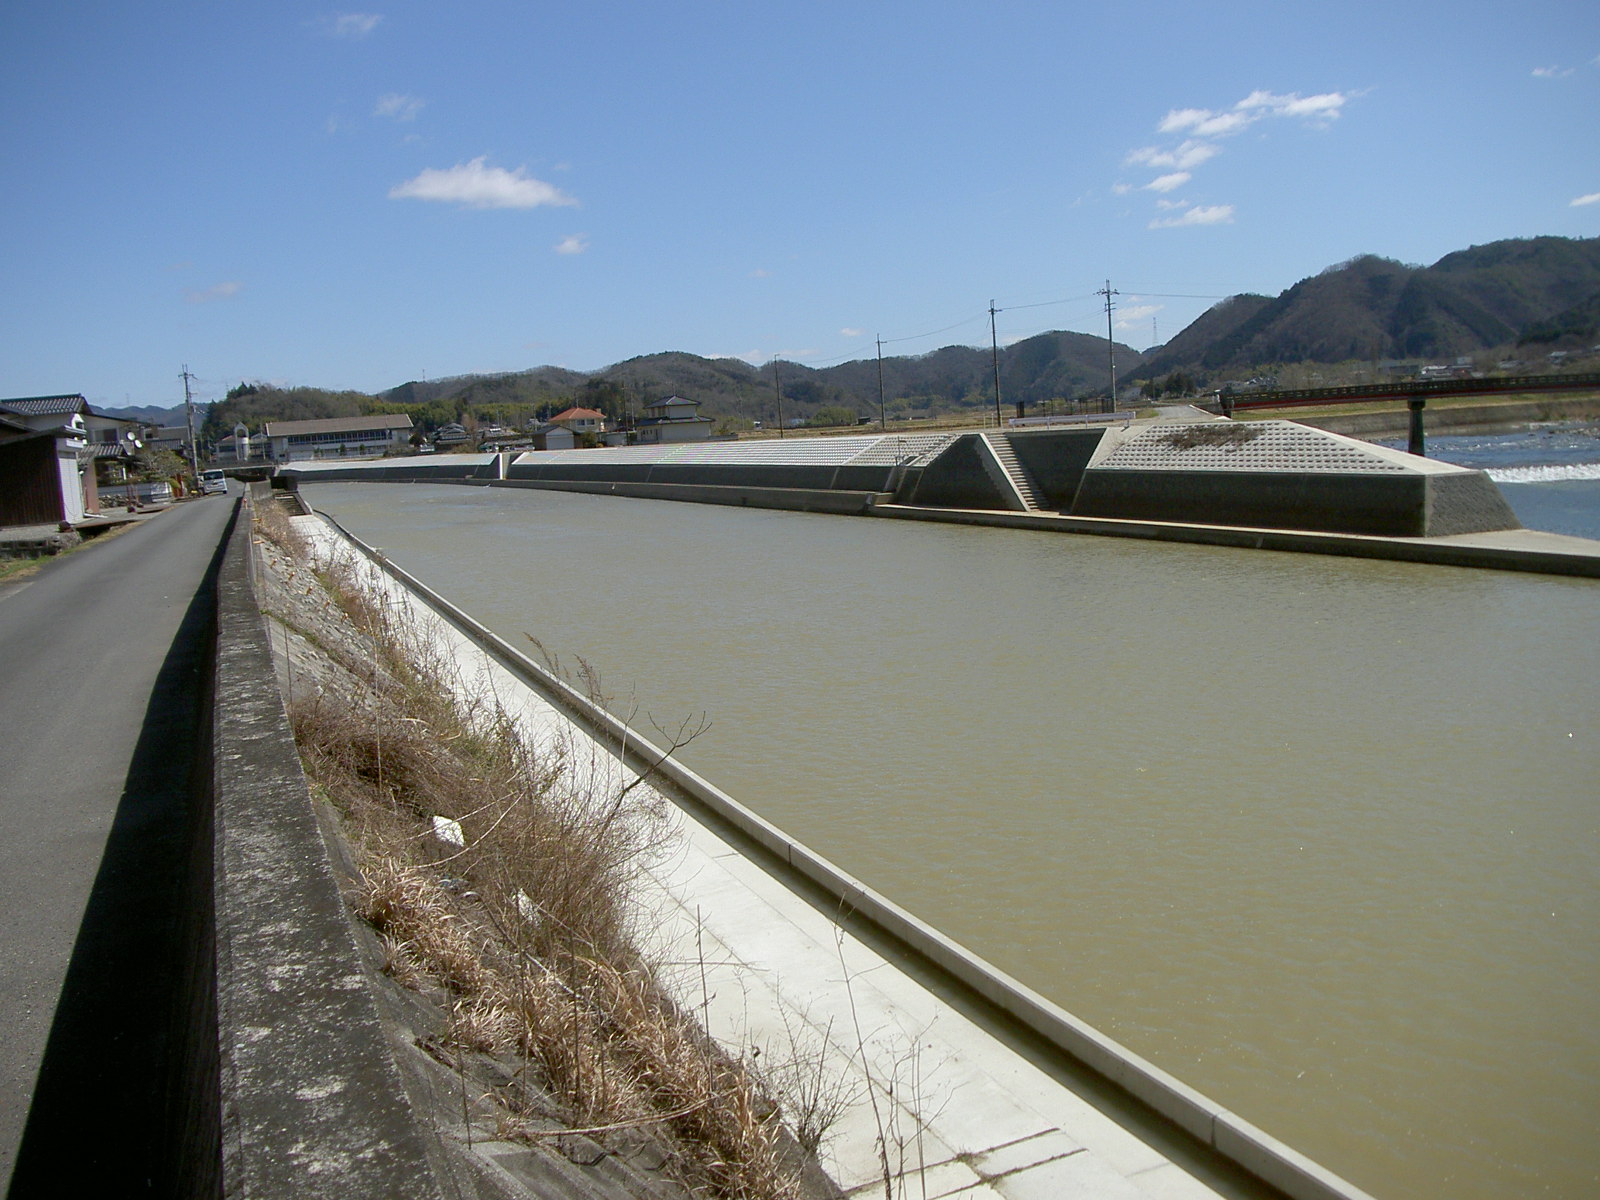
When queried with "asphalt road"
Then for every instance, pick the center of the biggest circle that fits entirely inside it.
(101, 661)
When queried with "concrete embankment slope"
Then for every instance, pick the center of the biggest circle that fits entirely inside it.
(964, 1081)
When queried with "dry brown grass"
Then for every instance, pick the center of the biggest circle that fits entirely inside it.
(526, 928)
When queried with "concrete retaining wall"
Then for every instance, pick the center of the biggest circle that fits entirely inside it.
(1388, 506)
(766, 476)
(847, 503)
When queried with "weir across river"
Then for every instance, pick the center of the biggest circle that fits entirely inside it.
(1314, 834)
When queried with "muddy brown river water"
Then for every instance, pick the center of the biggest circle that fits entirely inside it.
(1320, 836)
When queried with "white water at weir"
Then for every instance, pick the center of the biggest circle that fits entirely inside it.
(1544, 473)
(1321, 836)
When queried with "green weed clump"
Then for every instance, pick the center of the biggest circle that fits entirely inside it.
(504, 888)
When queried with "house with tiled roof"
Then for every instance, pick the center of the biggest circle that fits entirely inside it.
(581, 420)
(672, 420)
(47, 475)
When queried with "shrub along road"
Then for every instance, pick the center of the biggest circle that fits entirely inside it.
(101, 699)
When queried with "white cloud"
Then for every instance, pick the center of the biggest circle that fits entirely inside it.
(573, 243)
(1121, 189)
(221, 291)
(401, 108)
(1321, 109)
(473, 185)
(1202, 128)
(350, 25)
(1184, 157)
(848, 332)
(1203, 123)
(1136, 314)
(1183, 118)
(761, 273)
(1551, 72)
(1591, 198)
(1211, 214)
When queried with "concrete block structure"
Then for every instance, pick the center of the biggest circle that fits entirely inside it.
(1283, 475)
(1275, 475)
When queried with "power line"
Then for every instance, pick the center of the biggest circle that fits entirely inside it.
(935, 332)
(1049, 303)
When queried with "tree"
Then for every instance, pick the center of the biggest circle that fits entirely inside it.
(833, 414)
(603, 395)
(157, 462)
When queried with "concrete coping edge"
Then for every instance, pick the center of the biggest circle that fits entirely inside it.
(313, 1100)
(1229, 1135)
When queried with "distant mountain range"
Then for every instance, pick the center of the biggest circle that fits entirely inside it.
(1543, 290)
(1371, 309)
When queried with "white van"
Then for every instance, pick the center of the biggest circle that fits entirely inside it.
(213, 481)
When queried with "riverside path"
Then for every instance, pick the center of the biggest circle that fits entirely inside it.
(103, 658)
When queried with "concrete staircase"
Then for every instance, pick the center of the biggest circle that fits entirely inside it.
(1000, 443)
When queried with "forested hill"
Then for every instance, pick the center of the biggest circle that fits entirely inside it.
(1371, 309)
(1543, 292)
(729, 390)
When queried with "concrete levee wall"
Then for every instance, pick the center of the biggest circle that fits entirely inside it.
(798, 476)
(1383, 505)
(194, 1104)
(847, 503)
(398, 469)
(534, 468)
(1386, 505)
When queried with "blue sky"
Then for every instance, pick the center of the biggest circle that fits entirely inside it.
(355, 197)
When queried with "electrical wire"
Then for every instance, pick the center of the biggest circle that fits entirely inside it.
(935, 332)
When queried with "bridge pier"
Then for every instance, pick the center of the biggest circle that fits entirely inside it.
(1415, 444)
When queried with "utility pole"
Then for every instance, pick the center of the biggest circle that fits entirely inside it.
(188, 408)
(1111, 345)
(883, 424)
(994, 353)
(778, 388)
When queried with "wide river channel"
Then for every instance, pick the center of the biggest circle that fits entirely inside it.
(1320, 836)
